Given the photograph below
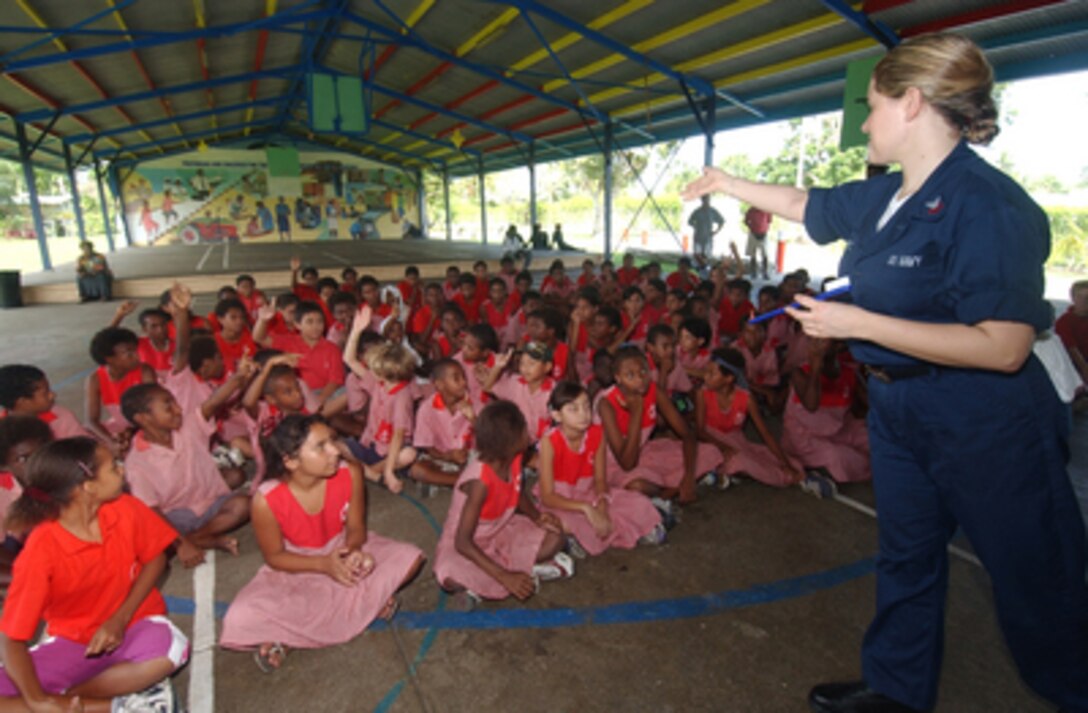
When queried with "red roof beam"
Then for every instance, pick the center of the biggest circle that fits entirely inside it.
(482, 89)
(974, 16)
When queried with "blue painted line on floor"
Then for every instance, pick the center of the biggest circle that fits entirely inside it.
(624, 613)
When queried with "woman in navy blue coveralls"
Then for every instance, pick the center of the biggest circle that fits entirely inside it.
(946, 261)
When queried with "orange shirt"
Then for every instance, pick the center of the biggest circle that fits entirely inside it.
(76, 585)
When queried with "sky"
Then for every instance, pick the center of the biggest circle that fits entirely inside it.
(1041, 130)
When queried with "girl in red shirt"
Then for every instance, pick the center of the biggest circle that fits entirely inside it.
(325, 577)
(495, 542)
(88, 570)
(574, 485)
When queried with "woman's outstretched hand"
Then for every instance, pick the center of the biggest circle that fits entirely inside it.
(713, 180)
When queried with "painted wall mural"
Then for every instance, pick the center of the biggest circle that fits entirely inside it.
(236, 195)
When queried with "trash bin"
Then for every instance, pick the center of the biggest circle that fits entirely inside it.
(11, 293)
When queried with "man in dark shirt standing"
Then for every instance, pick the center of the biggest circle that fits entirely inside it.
(705, 223)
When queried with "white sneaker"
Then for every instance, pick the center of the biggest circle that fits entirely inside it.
(818, 486)
(156, 699)
(560, 567)
(575, 549)
(656, 536)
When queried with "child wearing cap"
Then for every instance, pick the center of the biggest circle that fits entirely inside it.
(530, 389)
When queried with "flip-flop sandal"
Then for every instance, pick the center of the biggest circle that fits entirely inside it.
(264, 661)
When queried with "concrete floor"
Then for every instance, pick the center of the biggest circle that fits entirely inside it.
(758, 595)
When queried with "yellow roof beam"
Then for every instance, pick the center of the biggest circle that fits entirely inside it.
(677, 33)
(492, 29)
(759, 73)
(570, 38)
(417, 14)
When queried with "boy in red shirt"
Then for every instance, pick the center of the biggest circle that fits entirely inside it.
(411, 290)
(469, 298)
(498, 310)
(233, 337)
(251, 297)
(734, 307)
(628, 275)
(320, 363)
(156, 348)
(683, 279)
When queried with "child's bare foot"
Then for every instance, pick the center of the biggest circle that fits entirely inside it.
(270, 656)
(227, 544)
(372, 474)
(390, 609)
(393, 483)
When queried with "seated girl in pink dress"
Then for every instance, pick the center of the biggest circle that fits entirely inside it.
(495, 542)
(819, 427)
(574, 487)
(722, 407)
(325, 577)
(628, 411)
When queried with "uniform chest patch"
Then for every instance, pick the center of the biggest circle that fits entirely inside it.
(904, 260)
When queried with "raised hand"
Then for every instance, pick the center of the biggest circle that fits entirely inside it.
(266, 313)
(181, 297)
(126, 308)
(296, 263)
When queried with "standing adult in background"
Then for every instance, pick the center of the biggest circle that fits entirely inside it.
(93, 275)
(946, 262)
(758, 223)
(705, 222)
(283, 220)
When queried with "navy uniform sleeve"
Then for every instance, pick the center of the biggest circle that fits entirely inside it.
(995, 271)
(833, 213)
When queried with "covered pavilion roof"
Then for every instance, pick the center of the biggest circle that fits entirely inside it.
(463, 85)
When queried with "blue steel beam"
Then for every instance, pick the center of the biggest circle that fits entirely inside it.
(54, 34)
(873, 28)
(43, 149)
(73, 189)
(699, 84)
(562, 68)
(43, 114)
(288, 17)
(195, 116)
(132, 149)
(32, 194)
(314, 50)
(103, 205)
(412, 39)
(328, 146)
(449, 113)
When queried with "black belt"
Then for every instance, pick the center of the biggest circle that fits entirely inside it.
(897, 372)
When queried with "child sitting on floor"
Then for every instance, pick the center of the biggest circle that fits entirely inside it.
(443, 431)
(342, 305)
(24, 391)
(574, 485)
(665, 369)
(320, 364)
(156, 348)
(819, 427)
(386, 443)
(171, 469)
(452, 285)
(546, 326)
(325, 577)
(426, 319)
(251, 297)
(636, 320)
(530, 388)
(477, 356)
(628, 410)
(446, 341)
(495, 542)
(691, 347)
(722, 407)
(233, 337)
(469, 298)
(761, 365)
(20, 437)
(531, 301)
(114, 349)
(88, 569)
(498, 309)
(586, 304)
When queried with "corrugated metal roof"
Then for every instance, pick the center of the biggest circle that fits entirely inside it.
(130, 74)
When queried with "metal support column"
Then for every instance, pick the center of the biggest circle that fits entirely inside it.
(421, 199)
(709, 127)
(483, 201)
(115, 189)
(608, 191)
(103, 205)
(25, 153)
(446, 201)
(74, 190)
(532, 186)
